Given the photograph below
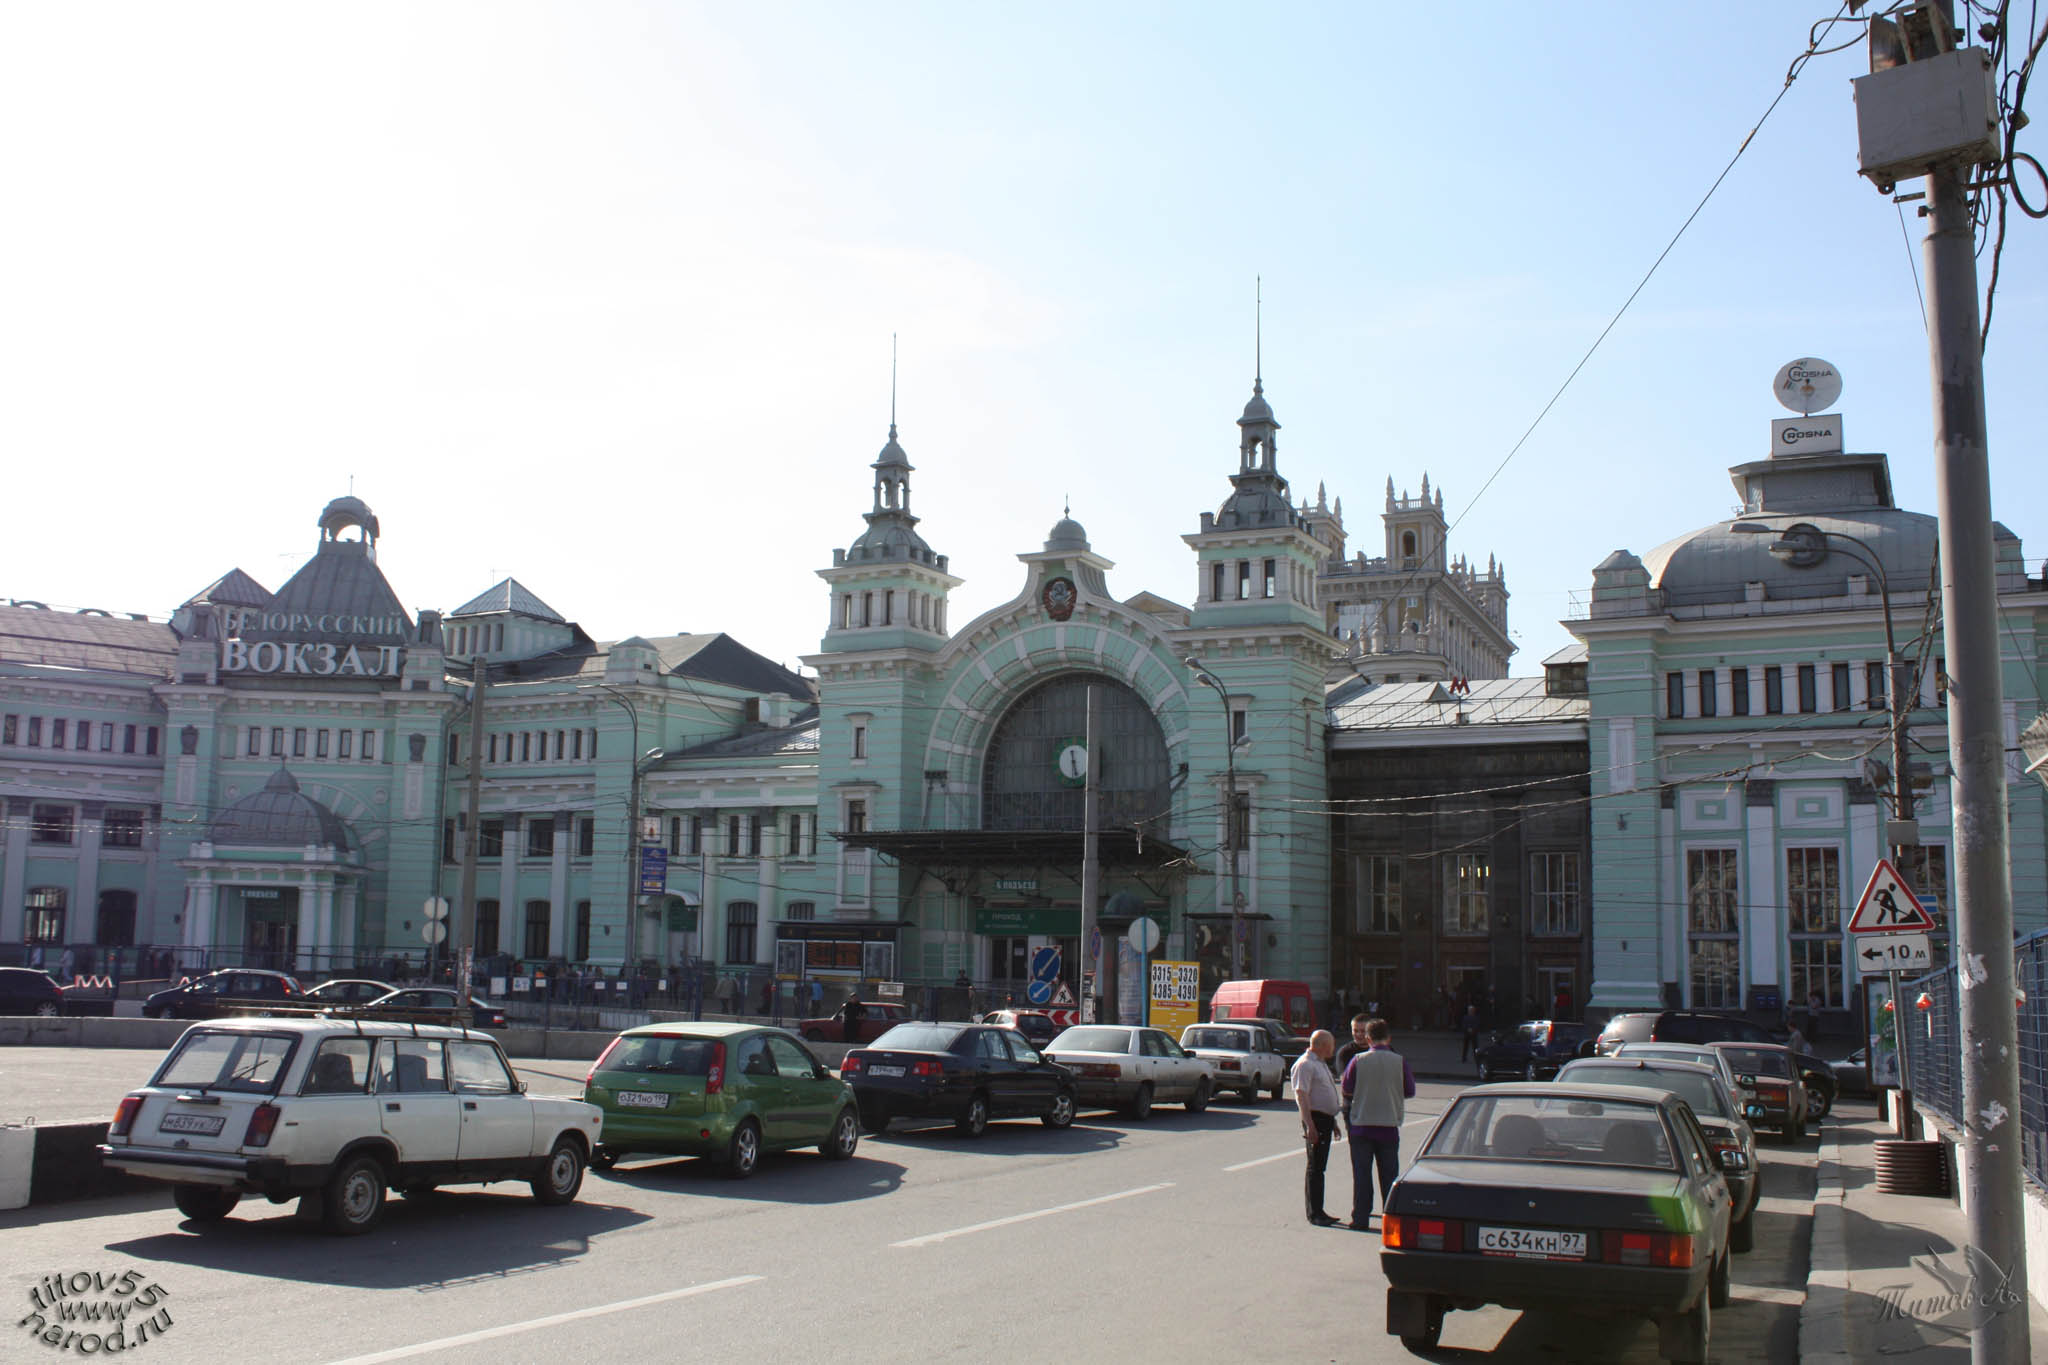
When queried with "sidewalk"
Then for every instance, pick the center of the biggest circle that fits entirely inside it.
(1890, 1278)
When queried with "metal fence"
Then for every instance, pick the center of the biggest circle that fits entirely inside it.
(1933, 1039)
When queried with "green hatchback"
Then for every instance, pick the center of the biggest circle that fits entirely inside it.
(726, 1091)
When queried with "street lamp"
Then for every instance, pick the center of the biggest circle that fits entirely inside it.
(1209, 680)
(641, 763)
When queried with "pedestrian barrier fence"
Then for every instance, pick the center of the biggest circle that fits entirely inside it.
(1934, 1048)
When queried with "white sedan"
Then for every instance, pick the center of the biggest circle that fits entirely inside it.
(1242, 1057)
(1122, 1066)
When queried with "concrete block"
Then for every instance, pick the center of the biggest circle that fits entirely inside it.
(17, 1166)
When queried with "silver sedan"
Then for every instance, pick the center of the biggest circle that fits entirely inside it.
(1122, 1066)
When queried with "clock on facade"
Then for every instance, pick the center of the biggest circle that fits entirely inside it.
(1073, 763)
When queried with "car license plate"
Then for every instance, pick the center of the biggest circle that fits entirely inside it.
(643, 1099)
(206, 1125)
(885, 1070)
(1541, 1244)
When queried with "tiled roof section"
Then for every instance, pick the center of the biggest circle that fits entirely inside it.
(1492, 701)
(1573, 653)
(716, 659)
(339, 580)
(800, 736)
(233, 589)
(62, 639)
(513, 596)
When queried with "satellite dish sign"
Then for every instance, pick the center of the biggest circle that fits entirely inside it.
(1807, 385)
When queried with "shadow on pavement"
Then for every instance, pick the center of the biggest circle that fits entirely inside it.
(781, 1178)
(450, 1238)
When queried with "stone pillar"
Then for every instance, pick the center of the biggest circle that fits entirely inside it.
(559, 911)
(1671, 962)
(82, 925)
(199, 913)
(511, 915)
(346, 911)
(1762, 943)
(323, 924)
(15, 886)
(308, 955)
(767, 885)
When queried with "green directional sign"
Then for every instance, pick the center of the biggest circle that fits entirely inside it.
(1027, 919)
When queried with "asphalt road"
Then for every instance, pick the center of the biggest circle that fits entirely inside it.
(1181, 1238)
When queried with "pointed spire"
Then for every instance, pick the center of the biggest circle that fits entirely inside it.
(892, 386)
(1322, 496)
(1258, 334)
(1390, 492)
(1425, 485)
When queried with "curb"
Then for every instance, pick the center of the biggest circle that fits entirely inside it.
(1823, 1318)
(55, 1162)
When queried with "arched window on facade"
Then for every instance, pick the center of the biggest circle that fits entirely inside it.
(1026, 786)
(43, 914)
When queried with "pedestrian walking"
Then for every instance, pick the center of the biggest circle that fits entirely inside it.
(1468, 1026)
(1354, 1047)
(1814, 1005)
(1315, 1095)
(849, 1018)
(1377, 1084)
(728, 993)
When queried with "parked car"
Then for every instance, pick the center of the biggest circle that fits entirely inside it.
(203, 997)
(26, 990)
(1285, 1040)
(1036, 1025)
(337, 1111)
(1702, 1053)
(1121, 1066)
(440, 1000)
(728, 1091)
(1592, 1199)
(1700, 1085)
(1775, 1094)
(1291, 1002)
(1852, 1073)
(1533, 1050)
(969, 1073)
(877, 1018)
(348, 991)
(1242, 1056)
(1680, 1026)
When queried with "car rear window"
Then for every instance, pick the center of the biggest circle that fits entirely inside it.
(918, 1038)
(1695, 1089)
(245, 1063)
(1756, 1059)
(1234, 1038)
(1093, 1040)
(1561, 1129)
(675, 1055)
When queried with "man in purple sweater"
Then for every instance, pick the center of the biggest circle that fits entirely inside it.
(1376, 1086)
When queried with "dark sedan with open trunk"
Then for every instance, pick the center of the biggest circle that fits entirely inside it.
(1593, 1199)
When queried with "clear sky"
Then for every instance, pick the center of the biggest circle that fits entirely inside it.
(600, 295)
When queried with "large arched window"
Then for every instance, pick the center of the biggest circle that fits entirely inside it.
(1023, 784)
(116, 919)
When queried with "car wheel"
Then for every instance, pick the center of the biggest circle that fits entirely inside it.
(1279, 1088)
(1718, 1290)
(1742, 1232)
(975, 1121)
(845, 1137)
(1432, 1325)
(1140, 1106)
(355, 1197)
(603, 1159)
(1688, 1337)
(47, 1010)
(205, 1203)
(743, 1153)
(1199, 1101)
(1062, 1115)
(562, 1175)
(1818, 1102)
(815, 1035)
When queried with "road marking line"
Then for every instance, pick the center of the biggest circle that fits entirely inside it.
(931, 1237)
(1277, 1156)
(1758, 1293)
(598, 1311)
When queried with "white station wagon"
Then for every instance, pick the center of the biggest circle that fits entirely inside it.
(335, 1111)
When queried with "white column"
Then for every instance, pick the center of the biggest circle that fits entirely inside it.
(309, 926)
(767, 881)
(1760, 895)
(558, 885)
(1671, 890)
(81, 925)
(511, 920)
(199, 918)
(16, 873)
(345, 919)
(323, 924)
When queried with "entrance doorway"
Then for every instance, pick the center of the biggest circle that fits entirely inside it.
(1550, 981)
(1467, 984)
(1375, 990)
(270, 920)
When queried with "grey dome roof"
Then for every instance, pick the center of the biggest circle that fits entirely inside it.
(1067, 535)
(279, 816)
(889, 538)
(348, 511)
(1713, 564)
(892, 454)
(1258, 410)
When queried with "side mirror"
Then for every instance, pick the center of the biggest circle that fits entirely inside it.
(1747, 1080)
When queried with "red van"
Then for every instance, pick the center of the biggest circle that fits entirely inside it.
(1288, 1001)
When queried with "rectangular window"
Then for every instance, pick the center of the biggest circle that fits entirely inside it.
(540, 836)
(1813, 903)
(454, 748)
(561, 742)
(753, 836)
(1216, 582)
(150, 738)
(576, 744)
(1674, 695)
(582, 931)
(277, 741)
(448, 840)
(1272, 583)
(107, 738)
(1873, 687)
(121, 829)
(1379, 894)
(803, 910)
(586, 836)
(58, 732)
(1774, 690)
(1738, 691)
(1554, 893)
(593, 745)
(490, 839)
(888, 606)
(860, 741)
(1841, 681)
(740, 923)
(486, 928)
(494, 748)
(346, 747)
(51, 824)
(856, 817)
(526, 746)
(867, 608)
(732, 836)
(1466, 877)
(299, 742)
(675, 836)
(1926, 870)
(537, 916)
(1809, 691)
(796, 836)
(254, 746)
(320, 743)
(1714, 927)
(81, 734)
(43, 915)
(10, 729)
(696, 836)
(369, 754)
(1710, 700)
(1244, 580)
(35, 732)
(1240, 724)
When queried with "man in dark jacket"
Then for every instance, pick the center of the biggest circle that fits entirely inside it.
(849, 1019)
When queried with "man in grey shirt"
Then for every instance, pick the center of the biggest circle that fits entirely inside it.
(1315, 1095)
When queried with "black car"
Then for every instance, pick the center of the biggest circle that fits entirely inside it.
(1680, 1026)
(349, 991)
(1593, 1199)
(25, 990)
(439, 1000)
(1817, 1074)
(204, 997)
(969, 1073)
(1533, 1049)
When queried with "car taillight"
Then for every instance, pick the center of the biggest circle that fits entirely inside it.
(714, 1075)
(927, 1068)
(852, 1065)
(1408, 1233)
(1672, 1250)
(1108, 1071)
(261, 1124)
(1228, 1064)
(124, 1117)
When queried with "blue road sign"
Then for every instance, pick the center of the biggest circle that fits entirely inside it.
(1045, 964)
(1038, 992)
